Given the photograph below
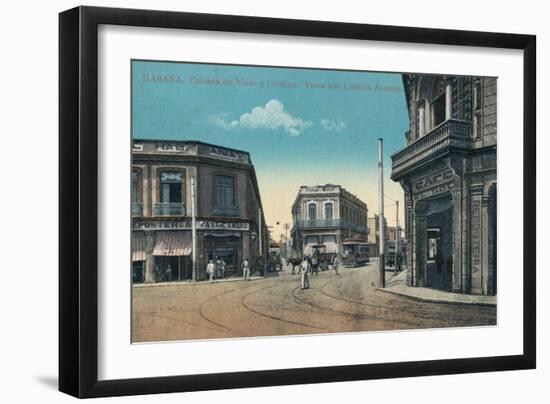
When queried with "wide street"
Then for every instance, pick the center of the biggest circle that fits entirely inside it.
(276, 305)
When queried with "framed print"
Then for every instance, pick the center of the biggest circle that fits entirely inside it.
(250, 202)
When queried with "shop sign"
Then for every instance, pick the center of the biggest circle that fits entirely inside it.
(433, 180)
(171, 147)
(186, 225)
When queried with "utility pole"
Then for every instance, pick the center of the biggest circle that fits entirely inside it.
(193, 230)
(381, 237)
(397, 263)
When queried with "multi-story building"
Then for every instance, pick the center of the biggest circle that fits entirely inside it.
(326, 214)
(449, 176)
(176, 184)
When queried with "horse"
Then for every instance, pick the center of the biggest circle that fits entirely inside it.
(295, 262)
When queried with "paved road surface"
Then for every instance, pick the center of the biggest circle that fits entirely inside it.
(277, 306)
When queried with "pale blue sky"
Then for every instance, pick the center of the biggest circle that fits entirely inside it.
(297, 133)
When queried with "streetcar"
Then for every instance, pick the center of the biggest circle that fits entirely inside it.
(274, 259)
(355, 252)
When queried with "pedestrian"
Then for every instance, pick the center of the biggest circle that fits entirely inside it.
(335, 264)
(168, 273)
(315, 265)
(305, 273)
(210, 268)
(246, 270)
(222, 268)
(156, 273)
(218, 267)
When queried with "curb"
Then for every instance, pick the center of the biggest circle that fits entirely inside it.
(431, 300)
(190, 283)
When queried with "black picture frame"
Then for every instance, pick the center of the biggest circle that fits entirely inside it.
(78, 201)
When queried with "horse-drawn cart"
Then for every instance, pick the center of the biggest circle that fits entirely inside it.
(324, 259)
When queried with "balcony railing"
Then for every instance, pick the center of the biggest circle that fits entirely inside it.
(233, 211)
(451, 133)
(169, 209)
(137, 209)
(329, 223)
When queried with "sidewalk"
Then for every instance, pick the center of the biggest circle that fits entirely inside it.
(397, 286)
(207, 282)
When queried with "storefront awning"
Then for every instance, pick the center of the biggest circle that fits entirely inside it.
(173, 243)
(138, 246)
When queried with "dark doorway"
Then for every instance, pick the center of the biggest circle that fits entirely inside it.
(439, 244)
(138, 273)
(225, 248)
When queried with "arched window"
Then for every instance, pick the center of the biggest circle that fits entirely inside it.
(437, 103)
(312, 211)
(170, 194)
(137, 207)
(170, 187)
(477, 121)
(135, 184)
(225, 191)
(329, 211)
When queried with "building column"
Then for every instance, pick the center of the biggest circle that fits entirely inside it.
(448, 99)
(246, 251)
(465, 238)
(488, 236)
(147, 191)
(149, 258)
(411, 279)
(421, 118)
(458, 281)
(476, 239)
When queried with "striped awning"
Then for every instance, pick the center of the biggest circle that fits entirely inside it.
(138, 246)
(173, 243)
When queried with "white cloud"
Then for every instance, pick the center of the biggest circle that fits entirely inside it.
(271, 116)
(333, 125)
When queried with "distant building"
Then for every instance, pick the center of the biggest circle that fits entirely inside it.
(374, 235)
(449, 175)
(229, 220)
(327, 215)
(391, 233)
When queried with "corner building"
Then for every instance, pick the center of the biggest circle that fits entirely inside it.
(326, 215)
(228, 210)
(449, 176)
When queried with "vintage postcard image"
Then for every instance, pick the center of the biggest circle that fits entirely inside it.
(272, 201)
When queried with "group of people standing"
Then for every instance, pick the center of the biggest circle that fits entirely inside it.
(215, 269)
(309, 264)
(162, 274)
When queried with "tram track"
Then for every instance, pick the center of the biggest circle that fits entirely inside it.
(360, 316)
(212, 298)
(272, 317)
(378, 306)
(175, 320)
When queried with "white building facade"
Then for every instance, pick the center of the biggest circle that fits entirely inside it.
(326, 215)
